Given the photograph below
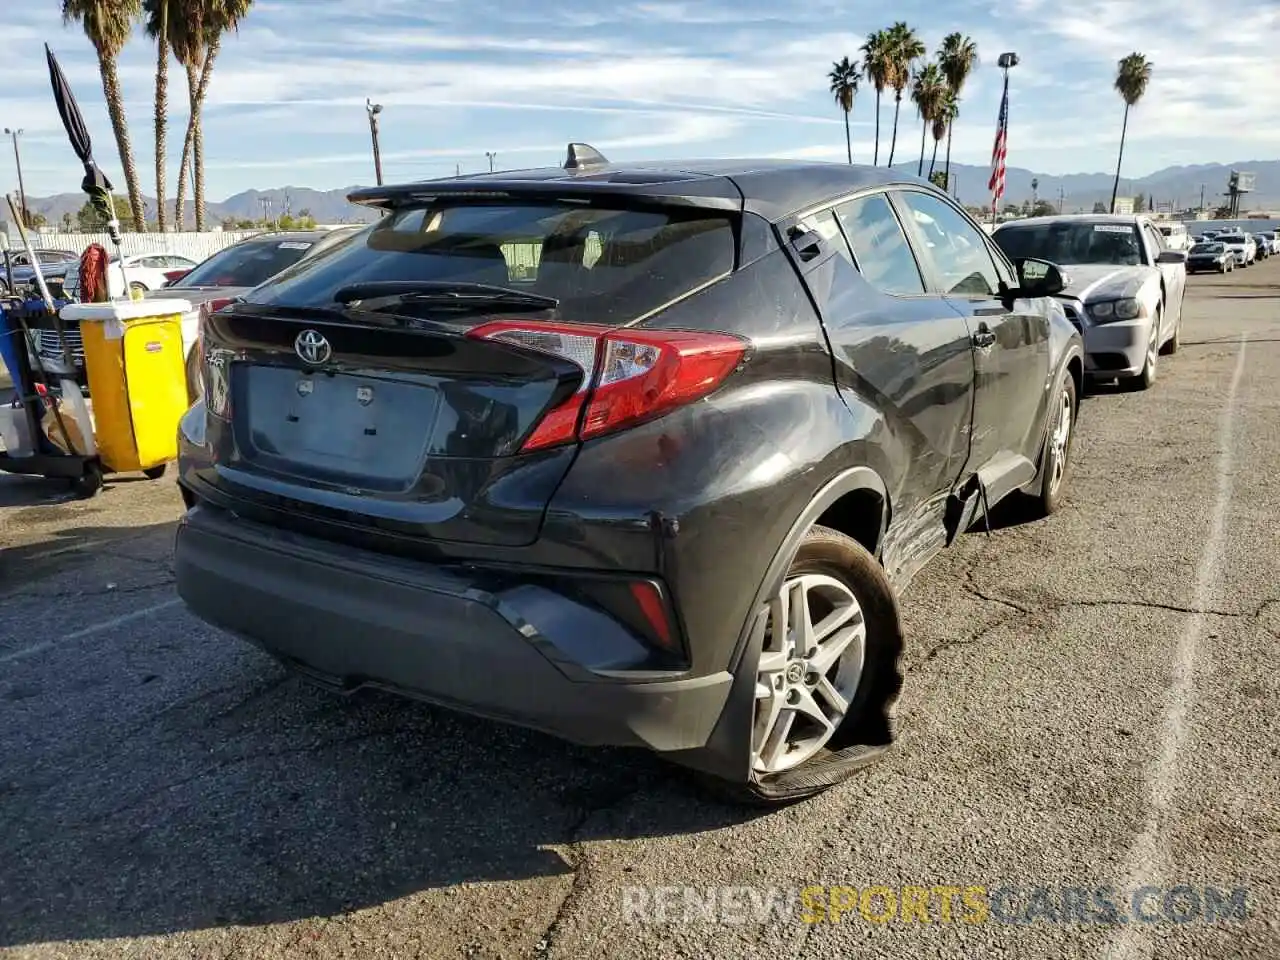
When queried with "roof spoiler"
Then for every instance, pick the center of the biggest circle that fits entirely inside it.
(582, 156)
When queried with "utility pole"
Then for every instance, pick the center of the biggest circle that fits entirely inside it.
(1202, 196)
(22, 190)
(373, 109)
(492, 157)
(457, 170)
(1062, 195)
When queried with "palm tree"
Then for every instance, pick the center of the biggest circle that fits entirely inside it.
(927, 91)
(107, 24)
(186, 39)
(957, 57)
(223, 17)
(944, 115)
(875, 62)
(1132, 76)
(156, 16)
(844, 78)
(905, 49)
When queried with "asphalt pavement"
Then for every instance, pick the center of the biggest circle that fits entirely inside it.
(1092, 701)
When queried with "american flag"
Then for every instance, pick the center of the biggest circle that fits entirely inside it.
(1001, 150)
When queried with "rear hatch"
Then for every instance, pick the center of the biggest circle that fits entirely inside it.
(429, 378)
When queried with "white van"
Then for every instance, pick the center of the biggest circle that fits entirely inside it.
(1175, 236)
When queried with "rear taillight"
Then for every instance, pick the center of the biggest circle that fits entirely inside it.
(216, 393)
(628, 376)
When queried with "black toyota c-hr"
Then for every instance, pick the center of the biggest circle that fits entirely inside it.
(635, 455)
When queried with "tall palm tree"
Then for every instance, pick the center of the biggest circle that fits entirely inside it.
(844, 77)
(957, 57)
(223, 17)
(943, 117)
(875, 62)
(186, 39)
(107, 24)
(927, 91)
(1132, 76)
(905, 48)
(156, 22)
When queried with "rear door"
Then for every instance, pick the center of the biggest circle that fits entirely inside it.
(1011, 343)
(1174, 274)
(896, 345)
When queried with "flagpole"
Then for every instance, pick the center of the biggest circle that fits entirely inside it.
(1006, 62)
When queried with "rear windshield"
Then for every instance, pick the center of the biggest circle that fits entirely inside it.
(604, 265)
(245, 264)
(1207, 248)
(1231, 238)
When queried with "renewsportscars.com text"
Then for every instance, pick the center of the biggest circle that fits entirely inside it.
(938, 903)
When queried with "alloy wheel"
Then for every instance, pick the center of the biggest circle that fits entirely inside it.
(1060, 442)
(1153, 346)
(812, 659)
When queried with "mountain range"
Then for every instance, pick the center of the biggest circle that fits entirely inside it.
(1180, 186)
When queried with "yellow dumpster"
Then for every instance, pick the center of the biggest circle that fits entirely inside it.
(134, 357)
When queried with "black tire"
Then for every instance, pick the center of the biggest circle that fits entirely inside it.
(155, 473)
(1150, 368)
(867, 728)
(89, 482)
(1048, 497)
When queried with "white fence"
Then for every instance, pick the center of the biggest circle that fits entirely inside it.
(197, 246)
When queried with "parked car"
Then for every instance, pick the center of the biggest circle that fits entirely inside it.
(1242, 247)
(53, 267)
(1175, 236)
(228, 273)
(1210, 257)
(1123, 289)
(659, 490)
(1265, 247)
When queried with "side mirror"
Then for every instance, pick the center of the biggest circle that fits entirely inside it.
(1172, 256)
(1039, 278)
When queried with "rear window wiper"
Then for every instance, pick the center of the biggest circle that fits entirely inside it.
(376, 294)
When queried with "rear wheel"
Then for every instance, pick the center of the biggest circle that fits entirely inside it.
(827, 674)
(155, 473)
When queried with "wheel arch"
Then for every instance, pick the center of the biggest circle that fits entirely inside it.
(842, 501)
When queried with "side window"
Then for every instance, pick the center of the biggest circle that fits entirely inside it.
(1155, 240)
(824, 224)
(879, 246)
(957, 248)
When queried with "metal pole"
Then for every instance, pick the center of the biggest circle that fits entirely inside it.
(492, 157)
(22, 190)
(373, 109)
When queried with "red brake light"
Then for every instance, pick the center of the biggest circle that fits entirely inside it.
(628, 375)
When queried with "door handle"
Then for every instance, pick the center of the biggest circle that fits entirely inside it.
(984, 338)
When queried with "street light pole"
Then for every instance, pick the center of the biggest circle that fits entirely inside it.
(373, 109)
(22, 190)
(492, 157)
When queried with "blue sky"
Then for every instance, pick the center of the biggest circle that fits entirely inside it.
(653, 78)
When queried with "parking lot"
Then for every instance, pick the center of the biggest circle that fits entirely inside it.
(1092, 700)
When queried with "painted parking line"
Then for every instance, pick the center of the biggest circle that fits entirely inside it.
(100, 627)
(1149, 858)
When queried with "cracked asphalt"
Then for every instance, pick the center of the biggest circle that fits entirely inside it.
(1091, 700)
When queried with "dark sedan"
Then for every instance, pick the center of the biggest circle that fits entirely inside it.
(634, 454)
(1210, 257)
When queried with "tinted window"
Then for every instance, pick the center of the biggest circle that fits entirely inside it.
(1207, 248)
(603, 265)
(879, 247)
(246, 264)
(956, 247)
(1073, 242)
(824, 224)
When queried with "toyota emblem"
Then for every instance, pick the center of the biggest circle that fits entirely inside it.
(312, 347)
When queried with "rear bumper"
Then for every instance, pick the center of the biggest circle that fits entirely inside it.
(353, 619)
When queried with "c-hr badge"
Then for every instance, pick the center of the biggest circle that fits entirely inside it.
(364, 395)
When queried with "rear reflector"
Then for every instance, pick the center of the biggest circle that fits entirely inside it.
(628, 376)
